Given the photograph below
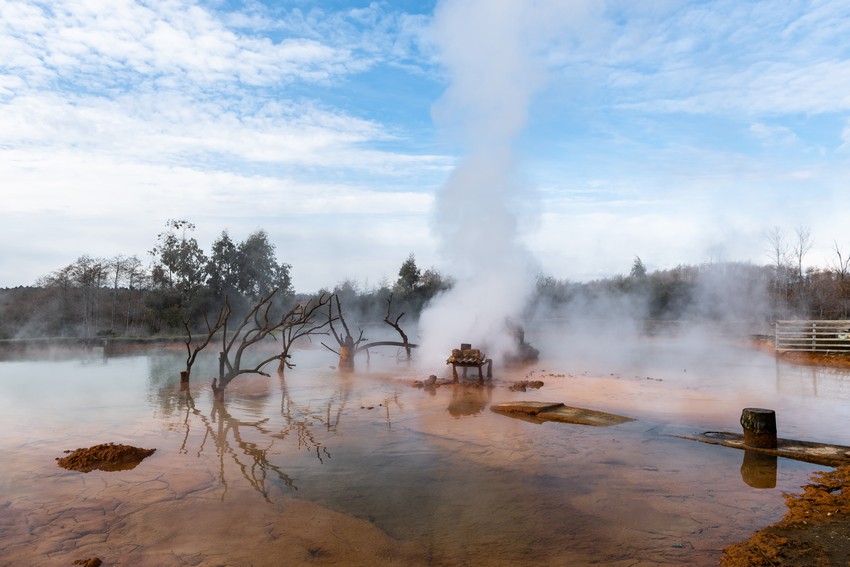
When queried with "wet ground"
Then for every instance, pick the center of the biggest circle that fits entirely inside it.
(325, 468)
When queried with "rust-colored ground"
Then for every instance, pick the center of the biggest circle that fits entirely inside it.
(815, 531)
(106, 457)
(832, 360)
(836, 360)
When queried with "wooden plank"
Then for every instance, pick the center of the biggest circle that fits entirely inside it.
(808, 451)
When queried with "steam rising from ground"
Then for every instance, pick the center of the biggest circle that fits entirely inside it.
(491, 50)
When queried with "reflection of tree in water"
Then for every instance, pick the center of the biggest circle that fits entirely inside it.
(163, 383)
(299, 419)
(230, 434)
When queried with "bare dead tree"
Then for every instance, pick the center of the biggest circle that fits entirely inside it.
(257, 326)
(394, 324)
(347, 344)
(778, 252)
(301, 322)
(777, 248)
(802, 244)
(841, 269)
(212, 329)
(842, 266)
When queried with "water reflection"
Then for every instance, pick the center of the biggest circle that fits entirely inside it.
(469, 399)
(812, 381)
(251, 446)
(299, 419)
(758, 469)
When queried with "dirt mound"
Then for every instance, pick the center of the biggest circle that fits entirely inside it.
(106, 457)
(813, 532)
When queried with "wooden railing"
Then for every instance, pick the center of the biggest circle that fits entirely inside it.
(813, 336)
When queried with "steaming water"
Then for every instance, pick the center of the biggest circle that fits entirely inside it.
(324, 468)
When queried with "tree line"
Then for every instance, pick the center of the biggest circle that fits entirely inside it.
(124, 296)
(714, 291)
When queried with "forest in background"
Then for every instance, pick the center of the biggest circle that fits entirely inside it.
(124, 296)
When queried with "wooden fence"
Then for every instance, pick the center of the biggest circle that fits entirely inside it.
(813, 336)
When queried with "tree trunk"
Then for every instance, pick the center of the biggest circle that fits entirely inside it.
(759, 428)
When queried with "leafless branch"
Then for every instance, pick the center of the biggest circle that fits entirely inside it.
(348, 340)
(394, 324)
(212, 329)
(843, 265)
(298, 322)
(301, 322)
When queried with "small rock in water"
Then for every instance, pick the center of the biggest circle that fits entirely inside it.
(522, 385)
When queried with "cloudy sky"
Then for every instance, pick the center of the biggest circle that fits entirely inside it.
(672, 130)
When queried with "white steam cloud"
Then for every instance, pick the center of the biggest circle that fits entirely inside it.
(494, 54)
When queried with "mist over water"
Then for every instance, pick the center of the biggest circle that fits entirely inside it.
(492, 52)
(369, 470)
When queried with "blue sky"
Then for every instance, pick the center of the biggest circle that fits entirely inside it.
(676, 131)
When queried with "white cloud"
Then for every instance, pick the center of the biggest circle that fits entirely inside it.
(172, 128)
(78, 203)
(721, 57)
(106, 43)
(773, 135)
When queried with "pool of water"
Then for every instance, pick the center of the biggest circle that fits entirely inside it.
(322, 467)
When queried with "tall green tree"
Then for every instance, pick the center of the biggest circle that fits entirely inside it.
(408, 276)
(223, 267)
(638, 269)
(258, 270)
(180, 261)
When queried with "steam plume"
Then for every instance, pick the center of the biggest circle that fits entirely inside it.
(491, 50)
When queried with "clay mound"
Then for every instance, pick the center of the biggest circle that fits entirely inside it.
(105, 457)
